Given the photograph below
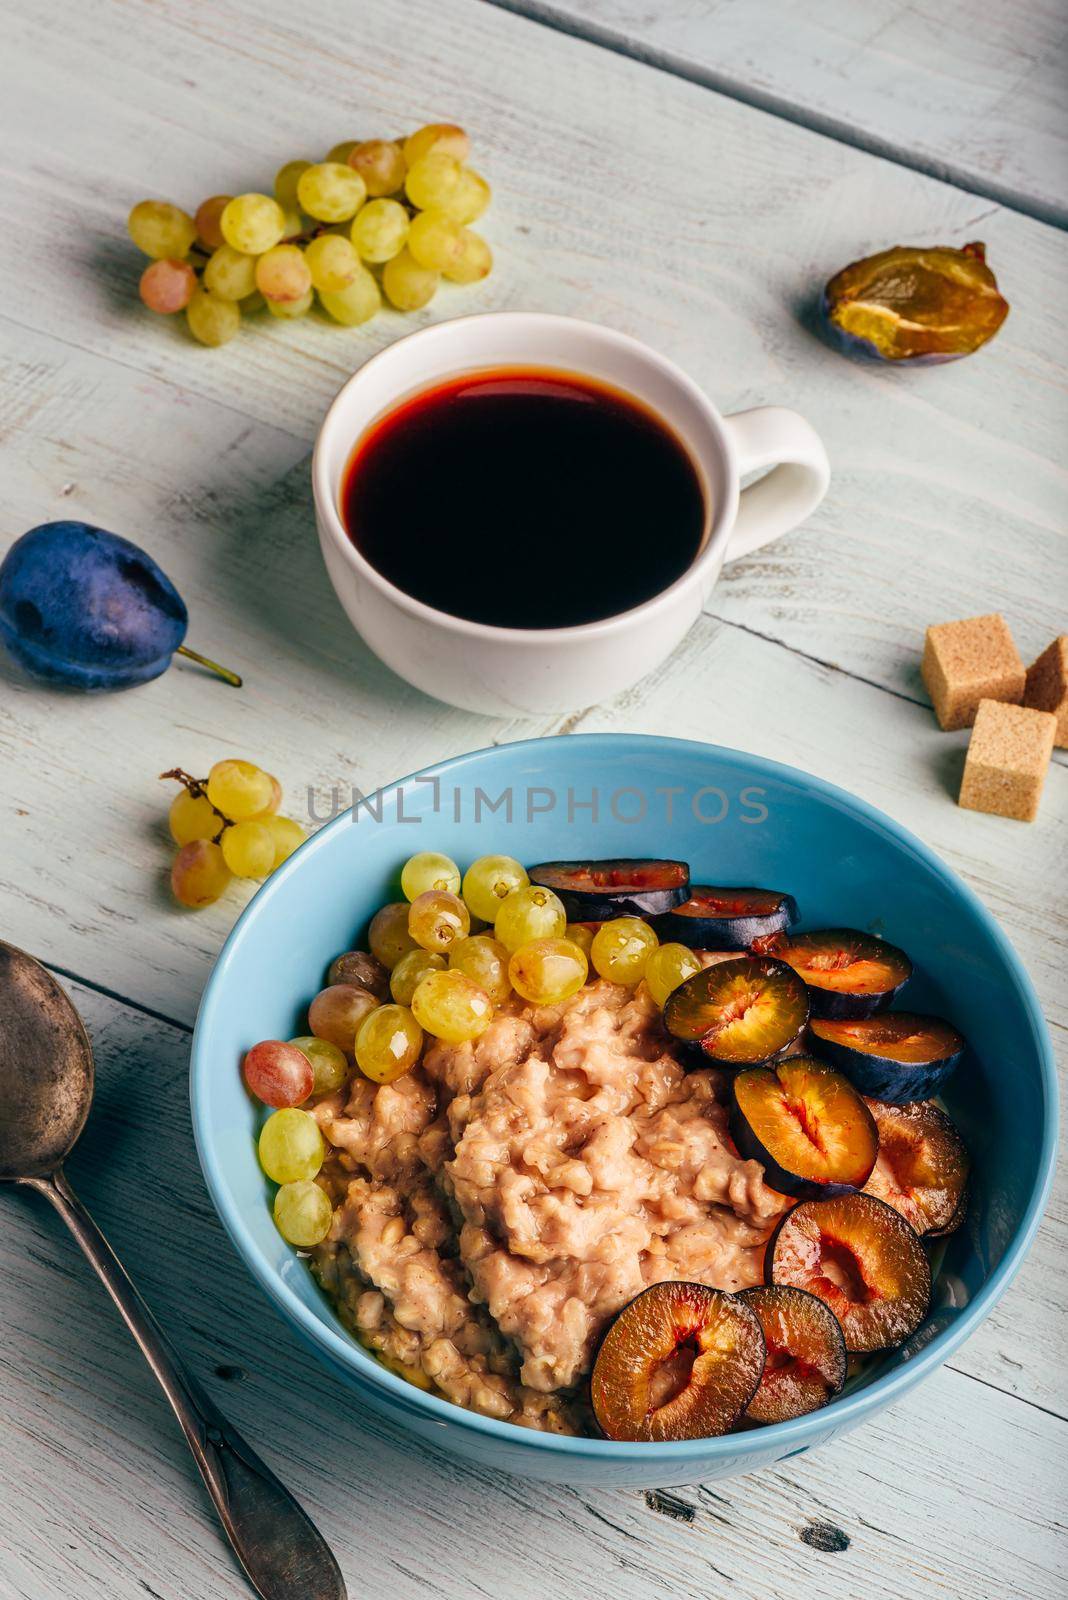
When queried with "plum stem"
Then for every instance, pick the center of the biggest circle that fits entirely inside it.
(206, 661)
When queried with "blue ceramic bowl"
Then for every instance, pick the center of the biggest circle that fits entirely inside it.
(735, 818)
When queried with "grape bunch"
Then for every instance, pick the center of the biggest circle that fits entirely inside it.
(226, 826)
(377, 217)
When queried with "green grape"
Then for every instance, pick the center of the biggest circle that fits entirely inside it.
(250, 304)
(329, 1064)
(192, 817)
(332, 261)
(580, 933)
(167, 286)
(437, 919)
(285, 183)
(303, 1214)
(356, 303)
(428, 869)
(252, 223)
(229, 274)
(410, 972)
(388, 1043)
(248, 849)
(286, 835)
(380, 164)
(451, 1007)
(667, 967)
(341, 152)
(161, 230)
(531, 912)
(337, 1011)
(485, 962)
(273, 803)
(330, 191)
(241, 790)
(379, 230)
(292, 308)
(621, 949)
(291, 1148)
(199, 874)
(388, 936)
(212, 320)
(206, 220)
(407, 285)
(283, 274)
(434, 241)
(488, 881)
(432, 180)
(546, 971)
(443, 137)
(469, 198)
(475, 260)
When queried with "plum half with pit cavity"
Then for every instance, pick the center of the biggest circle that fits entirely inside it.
(681, 1361)
(806, 1125)
(598, 891)
(739, 1012)
(862, 1259)
(915, 305)
(847, 973)
(806, 1361)
(727, 919)
(923, 1166)
(894, 1055)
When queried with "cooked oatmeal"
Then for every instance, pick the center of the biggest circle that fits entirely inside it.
(497, 1205)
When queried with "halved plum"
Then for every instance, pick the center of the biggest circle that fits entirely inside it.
(862, 1259)
(848, 973)
(727, 919)
(743, 1010)
(923, 1166)
(597, 891)
(895, 1055)
(806, 1361)
(681, 1361)
(806, 1125)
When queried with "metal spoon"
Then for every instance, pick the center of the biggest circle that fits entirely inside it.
(46, 1086)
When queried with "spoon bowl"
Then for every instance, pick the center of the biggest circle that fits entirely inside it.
(46, 1069)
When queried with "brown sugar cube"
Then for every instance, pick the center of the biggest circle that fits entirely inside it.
(1047, 685)
(965, 662)
(1008, 754)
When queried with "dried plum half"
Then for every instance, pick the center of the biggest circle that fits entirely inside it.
(847, 973)
(923, 1166)
(715, 918)
(806, 1125)
(862, 1259)
(681, 1361)
(806, 1361)
(597, 891)
(895, 1055)
(743, 1010)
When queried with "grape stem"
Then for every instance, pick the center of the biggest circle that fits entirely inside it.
(206, 661)
(198, 788)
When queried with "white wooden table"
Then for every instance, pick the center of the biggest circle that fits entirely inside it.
(690, 202)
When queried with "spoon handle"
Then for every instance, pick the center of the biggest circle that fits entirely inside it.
(283, 1553)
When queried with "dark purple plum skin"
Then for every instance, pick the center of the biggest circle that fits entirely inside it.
(725, 933)
(87, 609)
(897, 1082)
(602, 905)
(834, 1003)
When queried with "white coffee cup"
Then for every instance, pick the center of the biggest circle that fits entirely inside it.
(521, 671)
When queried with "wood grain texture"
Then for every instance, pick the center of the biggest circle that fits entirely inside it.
(702, 225)
(968, 92)
(97, 1497)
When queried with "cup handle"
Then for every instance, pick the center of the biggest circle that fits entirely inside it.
(772, 436)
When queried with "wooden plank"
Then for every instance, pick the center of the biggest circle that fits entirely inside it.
(98, 1497)
(968, 92)
(959, 467)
